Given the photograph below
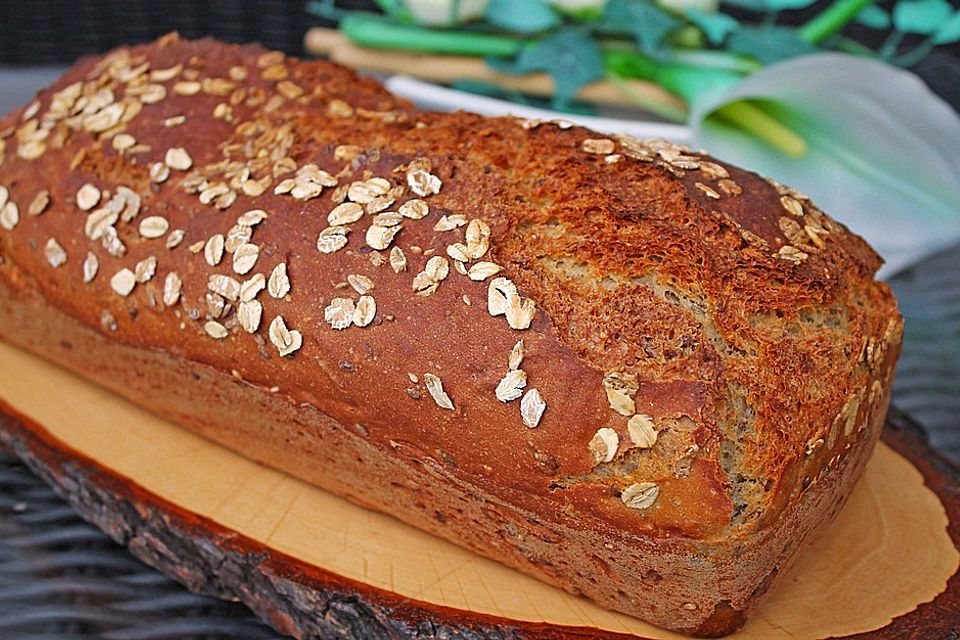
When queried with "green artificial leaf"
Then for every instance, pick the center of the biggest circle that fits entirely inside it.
(389, 7)
(715, 26)
(570, 56)
(580, 11)
(921, 16)
(647, 22)
(786, 5)
(528, 16)
(769, 44)
(950, 30)
(874, 17)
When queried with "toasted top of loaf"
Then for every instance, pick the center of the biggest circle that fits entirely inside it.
(702, 337)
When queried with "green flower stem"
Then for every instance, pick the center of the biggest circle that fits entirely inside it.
(715, 59)
(892, 43)
(752, 119)
(687, 81)
(914, 56)
(831, 20)
(368, 30)
(849, 45)
(692, 83)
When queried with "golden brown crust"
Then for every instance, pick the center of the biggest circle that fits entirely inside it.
(748, 337)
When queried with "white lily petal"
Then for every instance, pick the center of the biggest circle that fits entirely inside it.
(884, 154)
(434, 97)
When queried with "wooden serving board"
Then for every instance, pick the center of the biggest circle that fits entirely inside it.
(314, 565)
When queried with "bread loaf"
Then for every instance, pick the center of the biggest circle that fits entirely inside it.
(622, 367)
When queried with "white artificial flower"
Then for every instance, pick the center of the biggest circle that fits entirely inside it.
(883, 150)
(444, 13)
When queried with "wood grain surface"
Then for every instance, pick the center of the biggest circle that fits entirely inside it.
(314, 565)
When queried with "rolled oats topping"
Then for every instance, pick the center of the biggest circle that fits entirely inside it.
(640, 495)
(792, 254)
(278, 285)
(707, 191)
(9, 215)
(146, 269)
(450, 222)
(248, 315)
(178, 158)
(532, 407)
(251, 287)
(414, 209)
(346, 213)
(511, 385)
(713, 170)
(39, 203)
(604, 445)
(123, 281)
(238, 235)
(519, 311)
(497, 294)
(112, 243)
(478, 238)
(458, 251)
(332, 239)
(387, 219)
(91, 264)
(729, 187)
(339, 313)
(365, 311)
(365, 191)
(215, 330)
(153, 227)
(792, 205)
(641, 431)
(435, 388)
(97, 222)
(128, 201)
(360, 283)
(423, 183)
(88, 196)
(480, 271)
(380, 203)
(437, 268)
(123, 141)
(187, 88)
(175, 238)
(620, 389)
(516, 355)
(398, 260)
(55, 254)
(379, 237)
(213, 250)
(601, 146)
(346, 152)
(172, 285)
(245, 258)
(285, 340)
(225, 286)
(252, 218)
